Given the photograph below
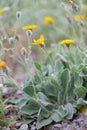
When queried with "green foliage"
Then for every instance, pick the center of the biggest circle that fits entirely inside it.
(4, 122)
(58, 87)
(56, 91)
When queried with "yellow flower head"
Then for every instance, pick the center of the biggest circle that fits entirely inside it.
(85, 7)
(80, 17)
(39, 41)
(29, 27)
(1, 11)
(2, 64)
(48, 20)
(67, 41)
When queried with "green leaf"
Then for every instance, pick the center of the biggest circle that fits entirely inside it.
(80, 92)
(78, 59)
(70, 111)
(70, 58)
(44, 122)
(51, 90)
(38, 66)
(58, 66)
(10, 85)
(56, 117)
(77, 80)
(62, 58)
(3, 122)
(20, 102)
(43, 114)
(30, 108)
(28, 120)
(43, 99)
(62, 111)
(65, 78)
(29, 90)
(81, 102)
(55, 84)
(85, 70)
(48, 58)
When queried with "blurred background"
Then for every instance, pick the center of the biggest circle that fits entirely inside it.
(33, 12)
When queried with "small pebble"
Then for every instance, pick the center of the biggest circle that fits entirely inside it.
(57, 126)
(33, 127)
(6, 128)
(85, 123)
(18, 125)
(24, 127)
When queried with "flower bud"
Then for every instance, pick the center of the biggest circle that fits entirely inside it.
(75, 7)
(23, 51)
(17, 38)
(11, 40)
(29, 33)
(5, 70)
(81, 23)
(18, 14)
(68, 18)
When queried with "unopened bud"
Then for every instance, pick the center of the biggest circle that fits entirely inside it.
(68, 18)
(5, 70)
(29, 33)
(17, 38)
(23, 51)
(75, 7)
(3, 37)
(18, 14)
(81, 23)
(11, 40)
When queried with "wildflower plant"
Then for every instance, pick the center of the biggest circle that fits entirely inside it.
(56, 89)
(64, 79)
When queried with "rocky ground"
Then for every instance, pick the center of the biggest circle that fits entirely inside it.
(79, 122)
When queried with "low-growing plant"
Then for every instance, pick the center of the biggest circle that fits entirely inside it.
(57, 89)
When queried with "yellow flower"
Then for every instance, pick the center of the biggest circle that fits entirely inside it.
(29, 27)
(84, 110)
(2, 64)
(67, 41)
(1, 11)
(48, 20)
(80, 17)
(85, 7)
(39, 41)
